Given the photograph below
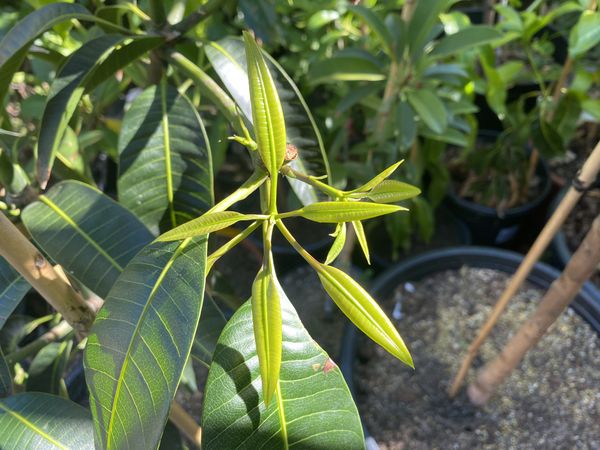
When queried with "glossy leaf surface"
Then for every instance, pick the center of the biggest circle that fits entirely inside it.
(13, 288)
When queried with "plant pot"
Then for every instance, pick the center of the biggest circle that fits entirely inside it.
(488, 227)
(586, 304)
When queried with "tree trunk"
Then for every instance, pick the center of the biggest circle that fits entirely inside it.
(555, 301)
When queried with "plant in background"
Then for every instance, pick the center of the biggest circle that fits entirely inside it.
(144, 258)
(408, 100)
(500, 172)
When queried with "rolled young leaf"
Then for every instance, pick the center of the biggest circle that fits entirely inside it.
(266, 318)
(205, 224)
(338, 243)
(334, 212)
(267, 113)
(363, 311)
(362, 239)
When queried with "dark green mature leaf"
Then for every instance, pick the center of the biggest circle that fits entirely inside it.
(47, 368)
(6, 379)
(376, 24)
(406, 125)
(36, 420)
(141, 340)
(425, 15)
(314, 408)
(430, 109)
(15, 43)
(228, 58)
(345, 68)
(13, 288)
(465, 39)
(165, 168)
(94, 62)
(262, 19)
(86, 232)
(585, 34)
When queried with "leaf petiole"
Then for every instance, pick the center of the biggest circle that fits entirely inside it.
(214, 257)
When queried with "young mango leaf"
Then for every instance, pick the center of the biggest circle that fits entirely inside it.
(47, 368)
(334, 212)
(363, 311)
(345, 68)
(141, 341)
(376, 25)
(338, 243)
(207, 223)
(38, 420)
(267, 112)
(13, 288)
(585, 34)
(392, 191)
(362, 239)
(430, 109)
(6, 379)
(465, 39)
(266, 319)
(15, 43)
(165, 167)
(377, 179)
(314, 409)
(229, 61)
(95, 61)
(91, 236)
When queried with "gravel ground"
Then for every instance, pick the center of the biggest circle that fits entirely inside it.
(552, 401)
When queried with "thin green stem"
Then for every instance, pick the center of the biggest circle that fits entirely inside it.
(249, 186)
(307, 256)
(323, 187)
(214, 257)
(59, 332)
(535, 71)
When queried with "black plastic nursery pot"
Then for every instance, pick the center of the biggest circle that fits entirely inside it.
(586, 304)
(487, 226)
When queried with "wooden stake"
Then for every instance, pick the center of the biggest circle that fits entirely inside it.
(588, 175)
(186, 424)
(555, 301)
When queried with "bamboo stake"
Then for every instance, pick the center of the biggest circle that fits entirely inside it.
(555, 301)
(588, 174)
(51, 283)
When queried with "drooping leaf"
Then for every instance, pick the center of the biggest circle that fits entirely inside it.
(91, 236)
(165, 168)
(266, 319)
(140, 342)
(345, 68)
(334, 212)
(15, 43)
(430, 109)
(465, 39)
(37, 420)
(95, 61)
(338, 243)
(585, 34)
(362, 239)
(47, 368)
(229, 61)
(267, 112)
(356, 303)
(315, 409)
(13, 288)
(205, 224)
(6, 379)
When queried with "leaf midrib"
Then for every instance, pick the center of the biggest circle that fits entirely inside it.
(30, 425)
(167, 150)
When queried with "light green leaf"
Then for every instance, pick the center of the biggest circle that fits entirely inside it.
(315, 409)
(430, 109)
(376, 25)
(334, 212)
(91, 236)
(338, 243)
(37, 420)
(165, 168)
(345, 68)
(363, 311)
(322, 18)
(229, 61)
(362, 239)
(585, 34)
(140, 342)
(384, 174)
(95, 61)
(6, 379)
(465, 39)
(266, 319)
(267, 112)
(207, 223)
(13, 288)
(47, 368)
(450, 135)
(392, 191)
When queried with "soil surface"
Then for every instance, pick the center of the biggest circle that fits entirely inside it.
(551, 401)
